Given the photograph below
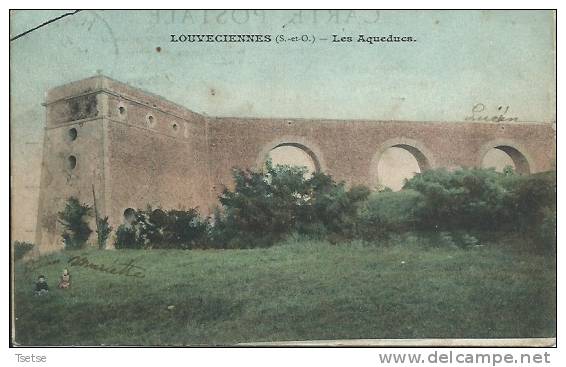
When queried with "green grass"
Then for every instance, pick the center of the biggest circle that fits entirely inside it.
(300, 290)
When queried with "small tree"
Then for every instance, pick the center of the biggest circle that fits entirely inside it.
(262, 208)
(21, 248)
(266, 206)
(103, 232)
(73, 218)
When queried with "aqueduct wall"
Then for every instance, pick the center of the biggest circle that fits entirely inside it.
(134, 149)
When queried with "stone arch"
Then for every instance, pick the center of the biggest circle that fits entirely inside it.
(129, 215)
(308, 147)
(518, 154)
(418, 150)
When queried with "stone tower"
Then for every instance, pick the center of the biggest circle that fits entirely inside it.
(133, 148)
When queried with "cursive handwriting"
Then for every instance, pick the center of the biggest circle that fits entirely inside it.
(35, 264)
(128, 269)
(479, 113)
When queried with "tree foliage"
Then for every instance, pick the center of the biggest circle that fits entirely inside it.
(103, 230)
(74, 220)
(160, 229)
(265, 206)
(21, 249)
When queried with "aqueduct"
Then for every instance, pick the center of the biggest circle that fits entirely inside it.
(129, 148)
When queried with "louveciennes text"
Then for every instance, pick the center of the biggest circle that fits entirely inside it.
(266, 38)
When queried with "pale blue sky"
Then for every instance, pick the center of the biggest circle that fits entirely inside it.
(460, 58)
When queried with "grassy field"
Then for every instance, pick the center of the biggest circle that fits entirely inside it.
(298, 290)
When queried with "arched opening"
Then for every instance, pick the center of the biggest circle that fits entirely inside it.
(398, 159)
(129, 216)
(502, 156)
(398, 163)
(292, 154)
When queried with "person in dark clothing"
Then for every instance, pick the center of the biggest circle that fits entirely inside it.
(41, 287)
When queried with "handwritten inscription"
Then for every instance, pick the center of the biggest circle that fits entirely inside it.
(35, 264)
(480, 113)
(128, 269)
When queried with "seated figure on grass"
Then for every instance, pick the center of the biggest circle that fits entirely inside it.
(41, 287)
(65, 281)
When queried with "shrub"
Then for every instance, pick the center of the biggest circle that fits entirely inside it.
(77, 230)
(465, 198)
(482, 199)
(389, 212)
(127, 238)
(531, 199)
(103, 231)
(336, 209)
(262, 208)
(183, 229)
(159, 229)
(267, 206)
(21, 248)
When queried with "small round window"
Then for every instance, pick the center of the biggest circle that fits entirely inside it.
(175, 127)
(72, 134)
(71, 162)
(122, 110)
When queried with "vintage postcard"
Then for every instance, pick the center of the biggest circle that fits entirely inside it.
(296, 177)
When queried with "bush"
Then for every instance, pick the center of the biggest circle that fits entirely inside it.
(103, 231)
(180, 229)
(158, 229)
(77, 230)
(465, 198)
(264, 207)
(21, 248)
(334, 208)
(127, 238)
(531, 199)
(389, 212)
(267, 206)
(485, 200)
